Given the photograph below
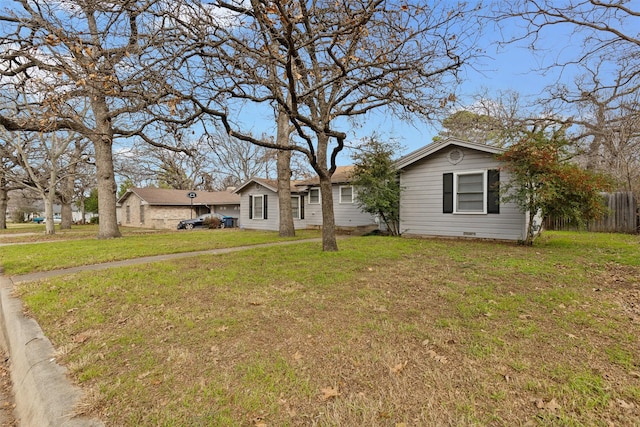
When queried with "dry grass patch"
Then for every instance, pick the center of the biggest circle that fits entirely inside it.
(385, 332)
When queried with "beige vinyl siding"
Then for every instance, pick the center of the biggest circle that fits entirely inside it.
(421, 201)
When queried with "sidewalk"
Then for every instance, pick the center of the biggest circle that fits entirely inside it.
(43, 394)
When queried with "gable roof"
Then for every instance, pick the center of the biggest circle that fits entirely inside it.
(432, 148)
(342, 175)
(168, 197)
(271, 184)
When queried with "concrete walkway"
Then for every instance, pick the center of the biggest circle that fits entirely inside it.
(43, 394)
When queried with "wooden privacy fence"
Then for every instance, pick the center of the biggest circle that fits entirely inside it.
(622, 216)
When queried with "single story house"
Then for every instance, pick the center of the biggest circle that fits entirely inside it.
(164, 208)
(451, 189)
(259, 205)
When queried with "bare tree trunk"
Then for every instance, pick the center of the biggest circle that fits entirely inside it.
(107, 189)
(66, 215)
(66, 198)
(329, 243)
(48, 213)
(68, 188)
(105, 175)
(50, 193)
(286, 226)
(83, 211)
(4, 203)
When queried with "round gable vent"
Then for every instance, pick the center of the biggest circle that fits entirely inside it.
(455, 156)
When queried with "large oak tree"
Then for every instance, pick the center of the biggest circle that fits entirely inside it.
(326, 64)
(92, 67)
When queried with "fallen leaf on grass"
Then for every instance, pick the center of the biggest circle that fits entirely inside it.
(329, 392)
(81, 338)
(297, 355)
(625, 405)
(552, 405)
(144, 375)
(435, 356)
(398, 368)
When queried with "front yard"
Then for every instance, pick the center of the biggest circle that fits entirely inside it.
(386, 332)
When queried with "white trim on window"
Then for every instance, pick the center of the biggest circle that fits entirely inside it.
(347, 196)
(470, 192)
(258, 206)
(295, 207)
(314, 196)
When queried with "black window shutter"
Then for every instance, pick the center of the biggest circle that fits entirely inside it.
(493, 191)
(250, 207)
(264, 207)
(447, 194)
(301, 207)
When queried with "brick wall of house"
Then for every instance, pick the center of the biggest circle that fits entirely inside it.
(161, 217)
(166, 217)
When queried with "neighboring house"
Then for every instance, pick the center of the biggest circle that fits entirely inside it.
(36, 209)
(164, 208)
(451, 188)
(259, 205)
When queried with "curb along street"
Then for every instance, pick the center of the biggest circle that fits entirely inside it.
(43, 395)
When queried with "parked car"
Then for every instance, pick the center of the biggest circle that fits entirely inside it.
(188, 224)
(41, 219)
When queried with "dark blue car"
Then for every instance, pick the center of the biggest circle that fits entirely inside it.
(188, 224)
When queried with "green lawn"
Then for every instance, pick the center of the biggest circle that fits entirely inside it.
(386, 332)
(82, 249)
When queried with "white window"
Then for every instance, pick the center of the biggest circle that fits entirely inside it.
(346, 194)
(314, 196)
(470, 194)
(296, 208)
(258, 207)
